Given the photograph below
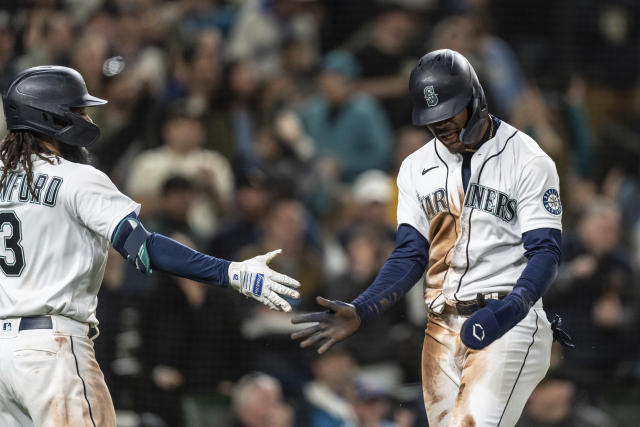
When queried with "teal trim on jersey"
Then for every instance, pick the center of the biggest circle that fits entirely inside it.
(145, 260)
(115, 232)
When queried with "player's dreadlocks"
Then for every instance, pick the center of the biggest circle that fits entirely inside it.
(19, 147)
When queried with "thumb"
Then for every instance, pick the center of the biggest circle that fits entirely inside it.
(331, 305)
(271, 255)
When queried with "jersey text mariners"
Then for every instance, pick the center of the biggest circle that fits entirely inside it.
(475, 236)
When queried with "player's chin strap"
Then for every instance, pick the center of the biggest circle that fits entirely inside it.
(130, 241)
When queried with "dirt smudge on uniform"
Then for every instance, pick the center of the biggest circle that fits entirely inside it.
(101, 404)
(442, 415)
(61, 341)
(468, 421)
(444, 230)
(435, 346)
(60, 411)
(474, 367)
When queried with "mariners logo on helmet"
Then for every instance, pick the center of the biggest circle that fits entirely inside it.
(551, 201)
(430, 96)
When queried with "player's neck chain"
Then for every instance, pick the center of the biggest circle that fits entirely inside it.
(474, 149)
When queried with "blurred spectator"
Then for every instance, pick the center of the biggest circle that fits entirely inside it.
(373, 193)
(261, 28)
(288, 227)
(509, 94)
(49, 39)
(88, 56)
(109, 311)
(257, 401)
(205, 342)
(288, 156)
(350, 130)
(555, 403)
(624, 188)
(408, 140)
(253, 197)
(123, 122)
(386, 61)
(192, 17)
(596, 293)
(491, 57)
(194, 79)
(295, 82)
(582, 139)
(600, 41)
(182, 154)
(237, 114)
(372, 405)
(331, 391)
(177, 194)
(135, 39)
(366, 251)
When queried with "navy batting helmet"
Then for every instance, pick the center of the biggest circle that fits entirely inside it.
(41, 98)
(442, 84)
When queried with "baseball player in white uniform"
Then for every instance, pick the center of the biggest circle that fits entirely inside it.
(479, 223)
(58, 216)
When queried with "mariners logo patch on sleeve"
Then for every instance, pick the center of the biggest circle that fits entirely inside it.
(551, 201)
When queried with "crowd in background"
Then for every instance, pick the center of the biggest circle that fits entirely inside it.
(248, 125)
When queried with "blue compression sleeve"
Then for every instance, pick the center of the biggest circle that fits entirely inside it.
(172, 257)
(167, 255)
(542, 248)
(400, 272)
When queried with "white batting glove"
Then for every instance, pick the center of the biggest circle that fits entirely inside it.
(253, 278)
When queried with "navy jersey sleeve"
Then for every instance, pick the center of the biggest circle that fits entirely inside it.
(399, 273)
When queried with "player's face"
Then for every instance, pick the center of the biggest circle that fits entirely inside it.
(82, 112)
(448, 131)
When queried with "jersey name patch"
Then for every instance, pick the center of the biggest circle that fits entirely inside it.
(491, 201)
(551, 201)
(44, 187)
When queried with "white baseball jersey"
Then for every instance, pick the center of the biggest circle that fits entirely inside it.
(53, 249)
(475, 237)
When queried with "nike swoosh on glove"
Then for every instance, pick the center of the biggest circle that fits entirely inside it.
(493, 321)
(254, 279)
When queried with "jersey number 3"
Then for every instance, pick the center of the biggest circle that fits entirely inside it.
(12, 263)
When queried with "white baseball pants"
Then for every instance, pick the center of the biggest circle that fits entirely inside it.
(50, 377)
(482, 388)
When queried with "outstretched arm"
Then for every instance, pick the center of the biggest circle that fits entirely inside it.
(252, 278)
(400, 272)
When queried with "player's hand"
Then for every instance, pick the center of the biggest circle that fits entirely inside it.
(340, 321)
(253, 278)
(492, 321)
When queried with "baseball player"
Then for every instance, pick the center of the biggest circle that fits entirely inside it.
(58, 216)
(479, 218)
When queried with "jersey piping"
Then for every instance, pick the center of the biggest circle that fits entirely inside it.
(455, 295)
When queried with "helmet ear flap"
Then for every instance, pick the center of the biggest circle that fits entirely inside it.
(477, 119)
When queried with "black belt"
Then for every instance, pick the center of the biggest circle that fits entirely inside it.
(467, 308)
(37, 322)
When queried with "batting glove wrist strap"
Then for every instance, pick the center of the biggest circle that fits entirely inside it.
(254, 279)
